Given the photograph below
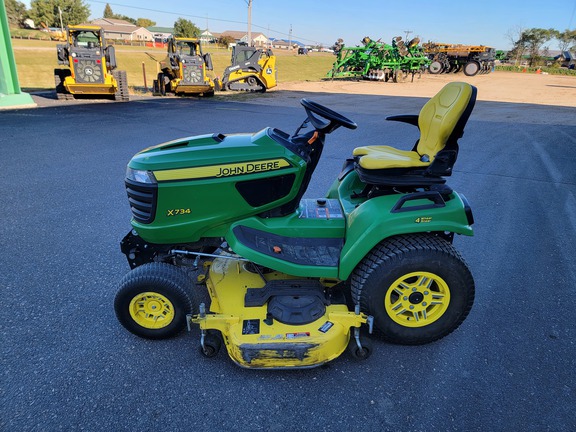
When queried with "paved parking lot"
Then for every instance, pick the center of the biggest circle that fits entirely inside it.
(68, 365)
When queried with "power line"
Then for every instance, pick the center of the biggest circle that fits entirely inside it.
(199, 17)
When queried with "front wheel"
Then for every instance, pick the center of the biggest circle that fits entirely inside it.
(418, 288)
(471, 68)
(153, 300)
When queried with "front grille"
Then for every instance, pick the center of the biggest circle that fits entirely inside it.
(193, 72)
(88, 71)
(142, 198)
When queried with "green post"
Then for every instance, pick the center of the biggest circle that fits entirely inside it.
(10, 94)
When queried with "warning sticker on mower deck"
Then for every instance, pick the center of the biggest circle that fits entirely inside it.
(297, 335)
(326, 326)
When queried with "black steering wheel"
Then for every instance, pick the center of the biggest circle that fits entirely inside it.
(330, 121)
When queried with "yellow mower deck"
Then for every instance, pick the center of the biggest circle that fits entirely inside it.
(253, 340)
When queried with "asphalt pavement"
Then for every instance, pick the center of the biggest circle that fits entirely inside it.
(68, 365)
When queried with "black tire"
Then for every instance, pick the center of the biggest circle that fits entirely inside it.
(212, 345)
(471, 68)
(153, 300)
(59, 77)
(355, 351)
(421, 313)
(121, 94)
(162, 84)
(435, 67)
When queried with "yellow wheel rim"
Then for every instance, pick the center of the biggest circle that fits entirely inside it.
(151, 310)
(417, 299)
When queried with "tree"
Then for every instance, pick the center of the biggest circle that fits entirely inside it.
(15, 11)
(185, 28)
(125, 18)
(108, 11)
(145, 22)
(531, 41)
(225, 41)
(566, 39)
(513, 35)
(46, 11)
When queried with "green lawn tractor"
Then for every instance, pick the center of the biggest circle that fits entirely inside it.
(184, 71)
(91, 66)
(291, 282)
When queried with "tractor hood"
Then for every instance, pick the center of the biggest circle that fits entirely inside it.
(249, 152)
(195, 187)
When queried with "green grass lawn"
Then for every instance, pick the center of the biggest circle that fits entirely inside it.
(36, 61)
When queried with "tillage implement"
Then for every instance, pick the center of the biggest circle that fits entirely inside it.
(290, 282)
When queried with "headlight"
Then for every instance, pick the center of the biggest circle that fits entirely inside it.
(140, 176)
(73, 54)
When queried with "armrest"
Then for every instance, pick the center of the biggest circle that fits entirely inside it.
(406, 118)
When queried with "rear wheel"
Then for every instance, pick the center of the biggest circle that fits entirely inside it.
(418, 288)
(471, 68)
(435, 67)
(153, 300)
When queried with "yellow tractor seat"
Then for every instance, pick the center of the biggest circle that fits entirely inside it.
(441, 123)
(383, 157)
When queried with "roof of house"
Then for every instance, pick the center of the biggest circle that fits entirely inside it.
(112, 22)
(240, 34)
(286, 41)
(110, 25)
(154, 29)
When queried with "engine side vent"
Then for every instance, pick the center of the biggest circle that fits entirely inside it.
(142, 199)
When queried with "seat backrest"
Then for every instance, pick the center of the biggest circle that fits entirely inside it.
(443, 118)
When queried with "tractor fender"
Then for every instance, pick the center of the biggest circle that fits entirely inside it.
(380, 218)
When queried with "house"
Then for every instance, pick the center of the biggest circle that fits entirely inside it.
(122, 30)
(207, 37)
(161, 34)
(258, 39)
(285, 44)
(567, 59)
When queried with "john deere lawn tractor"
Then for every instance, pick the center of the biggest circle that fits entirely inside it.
(252, 69)
(92, 66)
(291, 282)
(184, 70)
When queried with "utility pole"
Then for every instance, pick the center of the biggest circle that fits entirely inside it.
(61, 25)
(407, 33)
(249, 2)
(290, 40)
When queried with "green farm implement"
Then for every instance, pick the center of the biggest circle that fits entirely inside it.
(378, 61)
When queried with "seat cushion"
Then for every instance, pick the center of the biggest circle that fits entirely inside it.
(385, 157)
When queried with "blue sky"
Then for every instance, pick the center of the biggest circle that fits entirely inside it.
(467, 22)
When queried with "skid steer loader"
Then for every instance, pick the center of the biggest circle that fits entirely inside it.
(91, 66)
(184, 70)
(252, 69)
